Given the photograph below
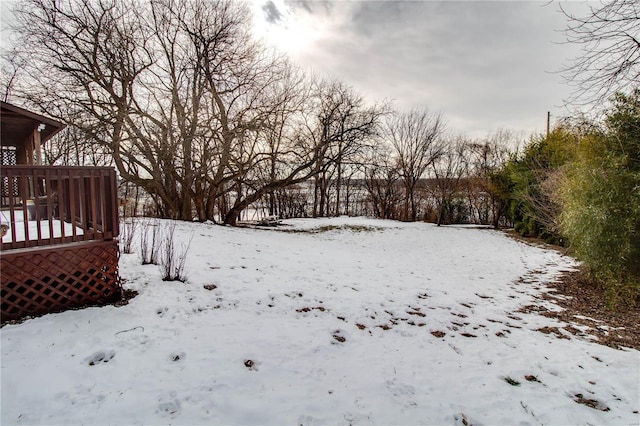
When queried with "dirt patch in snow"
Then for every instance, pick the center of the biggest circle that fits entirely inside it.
(593, 403)
(127, 295)
(584, 305)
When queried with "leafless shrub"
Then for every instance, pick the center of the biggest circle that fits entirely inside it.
(150, 242)
(127, 235)
(173, 257)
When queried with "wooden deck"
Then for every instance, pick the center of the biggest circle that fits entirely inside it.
(44, 205)
(60, 250)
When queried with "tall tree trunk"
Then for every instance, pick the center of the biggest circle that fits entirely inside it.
(323, 195)
(316, 186)
(338, 183)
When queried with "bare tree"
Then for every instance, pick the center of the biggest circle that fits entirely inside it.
(342, 124)
(485, 158)
(415, 138)
(277, 155)
(448, 169)
(272, 155)
(175, 90)
(382, 182)
(12, 64)
(328, 126)
(72, 146)
(610, 58)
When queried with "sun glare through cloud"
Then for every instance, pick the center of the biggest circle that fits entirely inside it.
(285, 28)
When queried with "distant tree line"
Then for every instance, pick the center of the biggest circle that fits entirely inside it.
(189, 108)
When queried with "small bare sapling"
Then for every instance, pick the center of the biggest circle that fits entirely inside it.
(150, 242)
(128, 234)
(174, 255)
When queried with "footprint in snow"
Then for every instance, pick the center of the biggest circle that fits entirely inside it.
(338, 337)
(458, 351)
(100, 356)
(251, 364)
(305, 420)
(177, 356)
(403, 393)
(462, 419)
(169, 408)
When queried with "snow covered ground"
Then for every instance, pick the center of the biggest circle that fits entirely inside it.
(360, 322)
(28, 229)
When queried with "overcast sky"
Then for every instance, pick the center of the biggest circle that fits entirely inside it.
(484, 65)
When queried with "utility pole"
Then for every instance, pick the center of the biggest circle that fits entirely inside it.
(548, 122)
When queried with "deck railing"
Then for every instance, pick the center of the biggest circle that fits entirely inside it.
(48, 205)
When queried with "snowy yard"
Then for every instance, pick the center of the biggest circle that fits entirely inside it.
(370, 322)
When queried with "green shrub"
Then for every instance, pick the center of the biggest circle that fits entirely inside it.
(528, 182)
(601, 200)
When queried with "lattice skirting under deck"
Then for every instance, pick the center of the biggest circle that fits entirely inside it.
(56, 278)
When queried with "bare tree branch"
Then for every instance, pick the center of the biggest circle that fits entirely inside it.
(610, 58)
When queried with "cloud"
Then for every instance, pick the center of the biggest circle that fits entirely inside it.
(312, 7)
(273, 14)
(484, 65)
